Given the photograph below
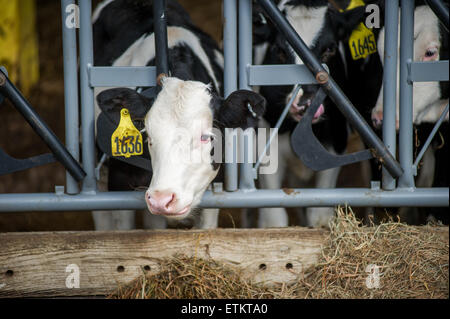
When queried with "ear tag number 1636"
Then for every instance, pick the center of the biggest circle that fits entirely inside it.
(362, 42)
(126, 139)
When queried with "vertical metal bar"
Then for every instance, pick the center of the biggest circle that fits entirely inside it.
(246, 177)
(87, 97)
(230, 83)
(390, 85)
(69, 38)
(406, 94)
(160, 27)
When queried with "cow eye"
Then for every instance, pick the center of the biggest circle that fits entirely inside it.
(430, 53)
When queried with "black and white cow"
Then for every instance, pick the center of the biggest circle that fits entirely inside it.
(323, 28)
(180, 123)
(429, 101)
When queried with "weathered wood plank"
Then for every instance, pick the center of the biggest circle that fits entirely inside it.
(34, 264)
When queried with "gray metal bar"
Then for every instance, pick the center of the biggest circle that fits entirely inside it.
(283, 74)
(428, 71)
(419, 197)
(430, 137)
(160, 32)
(230, 84)
(70, 60)
(87, 97)
(106, 76)
(406, 94)
(246, 177)
(390, 86)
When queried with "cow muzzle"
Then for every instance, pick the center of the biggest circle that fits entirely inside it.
(301, 104)
(165, 203)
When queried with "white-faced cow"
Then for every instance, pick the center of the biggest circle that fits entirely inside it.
(322, 27)
(179, 123)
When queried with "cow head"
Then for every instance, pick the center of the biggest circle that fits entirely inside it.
(181, 125)
(321, 27)
(427, 103)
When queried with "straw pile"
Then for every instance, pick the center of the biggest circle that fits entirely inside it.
(391, 260)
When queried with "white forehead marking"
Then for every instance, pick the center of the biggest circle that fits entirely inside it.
(179, 104)
(143, 50)
(307, 22)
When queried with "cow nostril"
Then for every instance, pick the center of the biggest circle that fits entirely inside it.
(172, 198)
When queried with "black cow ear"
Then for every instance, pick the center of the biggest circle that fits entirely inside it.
(343, 23)
(113, 100)
(241, 108)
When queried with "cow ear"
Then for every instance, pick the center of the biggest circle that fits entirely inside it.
(241, 108)
(113, 100)
(343, 23)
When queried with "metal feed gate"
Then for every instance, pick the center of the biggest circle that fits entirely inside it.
(238, 189)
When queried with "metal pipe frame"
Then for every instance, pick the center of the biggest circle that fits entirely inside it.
(90, 76)
(87, 97)
(69, 37)
(390, 86)
(230, 85)
(246, 174)
(406, 94)
(419, 197)
(160, 31)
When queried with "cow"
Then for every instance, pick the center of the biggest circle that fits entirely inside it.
(324, 28)
(182, 121)
(429, 101)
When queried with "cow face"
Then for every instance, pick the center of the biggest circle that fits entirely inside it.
(321, 27)
(427, 105)
(181, 126)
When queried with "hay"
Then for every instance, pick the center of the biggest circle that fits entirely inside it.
(411, 263)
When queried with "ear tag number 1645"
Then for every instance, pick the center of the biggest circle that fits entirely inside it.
(126, 139)
(362, 42)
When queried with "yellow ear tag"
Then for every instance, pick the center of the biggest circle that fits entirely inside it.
(362, 42)
(126, 139)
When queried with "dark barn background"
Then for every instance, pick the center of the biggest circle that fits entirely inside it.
(19, 140)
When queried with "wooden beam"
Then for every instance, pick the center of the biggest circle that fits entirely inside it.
(34, 264)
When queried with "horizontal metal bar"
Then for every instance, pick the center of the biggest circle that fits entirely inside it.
(428, 71)
(129, 76)
(357, 197)
(283, 74)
